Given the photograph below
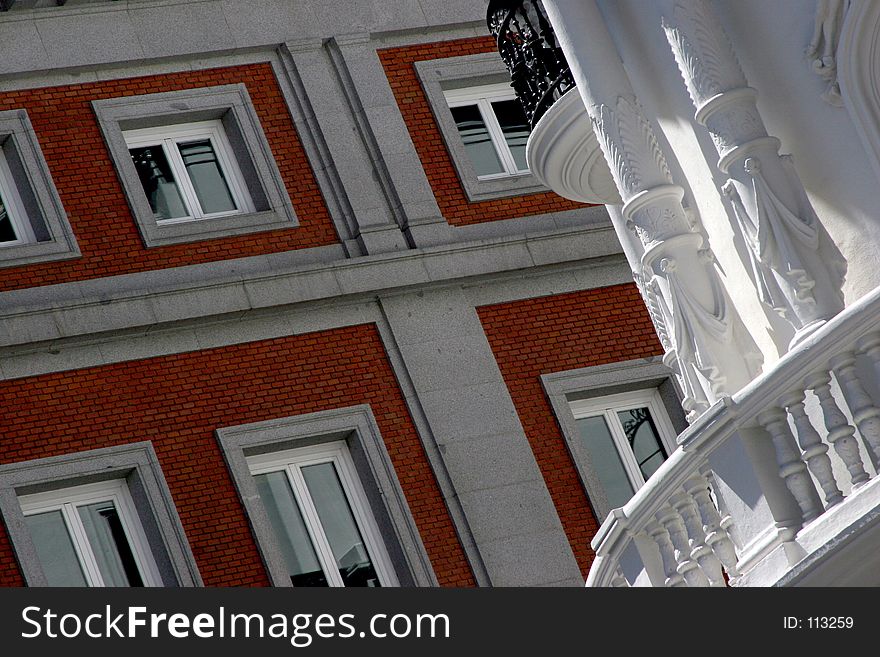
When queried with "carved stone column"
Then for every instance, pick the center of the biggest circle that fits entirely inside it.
(797, 269)
(707, 341)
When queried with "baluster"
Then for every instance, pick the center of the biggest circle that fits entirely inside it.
(840, 433)
(791, 468)
(717, 537)
(869, 345)
(618, 580)
(813, 450)
(865, 414)
(689, 569)
(699, 551)
(667, 554)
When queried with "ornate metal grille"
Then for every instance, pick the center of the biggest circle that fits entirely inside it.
(539, 73)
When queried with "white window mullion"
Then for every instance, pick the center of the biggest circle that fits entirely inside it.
(314, 526)
(82, 546)
(366, 523)
(137, 540)
(497, 133)
(231, 170)
(624, 450)
(183, 182)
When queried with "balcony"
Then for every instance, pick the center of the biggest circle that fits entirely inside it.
(775, 486)
(562, 151)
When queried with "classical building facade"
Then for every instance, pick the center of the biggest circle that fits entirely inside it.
(282, 304)
(735, 147)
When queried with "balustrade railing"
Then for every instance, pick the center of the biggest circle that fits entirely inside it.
(539, 73)
(817, 407)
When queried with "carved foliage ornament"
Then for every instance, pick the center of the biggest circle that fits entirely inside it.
(703, 53)
(630, 145)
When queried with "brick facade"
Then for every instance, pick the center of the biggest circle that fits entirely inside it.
(177, 401)
(426, 137)
(87, 183)
(554, 334)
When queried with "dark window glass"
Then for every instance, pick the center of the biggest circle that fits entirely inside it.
(110, 544)
(340, 528)
(206, 176)
(477, 140)
(515, 128)
(158, 182)
(7, 231)
(290, 529)
(55, 549)
(643, 437)
(596, 439)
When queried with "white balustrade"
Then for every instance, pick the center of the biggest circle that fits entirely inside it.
(816, 457)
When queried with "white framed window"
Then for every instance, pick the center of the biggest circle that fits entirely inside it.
(15, 229)
(321, 518)
(90, 535)
(493, 128)
(188, 171)
(626, 436)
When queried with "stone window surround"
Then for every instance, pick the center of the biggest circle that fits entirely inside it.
(230, 103)
(138, 465)
(600, 381)
(42, 205)
(439, 75)
(357, 427)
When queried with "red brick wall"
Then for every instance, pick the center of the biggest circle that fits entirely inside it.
(80, 165)
(399, 66)
(177, 401)
(553, 334)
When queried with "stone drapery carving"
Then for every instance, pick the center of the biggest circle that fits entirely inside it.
(797, 270)
(822, 51)
(692, 313)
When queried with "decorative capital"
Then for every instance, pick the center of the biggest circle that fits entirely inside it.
(630, 146)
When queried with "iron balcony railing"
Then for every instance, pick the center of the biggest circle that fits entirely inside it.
(539, 73)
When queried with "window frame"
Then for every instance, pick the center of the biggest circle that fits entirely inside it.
(438, 76)
(137, 467)
(597, 381)
(249, 150)
(41, 224)
(356, 427)
(68, 499)
(291, 462)
(482, 96)
(608, 406)
(169, 136)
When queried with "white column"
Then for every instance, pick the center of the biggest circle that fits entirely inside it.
(798, 271)
(713, 351)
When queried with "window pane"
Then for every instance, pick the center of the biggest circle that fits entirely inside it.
(207, 176)
(110, 545)
(290, 529)
(597, 440)
(477, 140)
(638, 425)
(515, 128)
(339, 525)
(7, 231)
(158, 182)
(55, 549)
